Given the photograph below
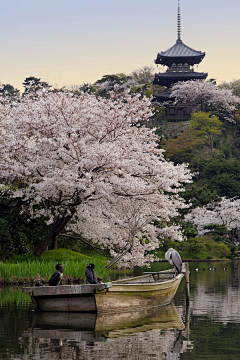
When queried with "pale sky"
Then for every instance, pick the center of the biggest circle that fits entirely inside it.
(67, 42)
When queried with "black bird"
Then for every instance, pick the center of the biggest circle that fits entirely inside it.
(57, 276)
(90, 274)
(224, 268)
(203, 269)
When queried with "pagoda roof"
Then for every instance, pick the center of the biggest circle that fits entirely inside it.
(168, 78)
(179, 53)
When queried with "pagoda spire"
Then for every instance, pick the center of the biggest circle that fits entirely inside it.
(179, 23)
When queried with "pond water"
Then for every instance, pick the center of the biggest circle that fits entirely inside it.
(208, 329)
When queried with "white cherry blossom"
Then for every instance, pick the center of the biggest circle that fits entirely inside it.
(85, 164)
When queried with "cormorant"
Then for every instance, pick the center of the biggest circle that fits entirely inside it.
(175, 259)
(57, 276)
(90, 274)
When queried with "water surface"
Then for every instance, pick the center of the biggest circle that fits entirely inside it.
(209, 329)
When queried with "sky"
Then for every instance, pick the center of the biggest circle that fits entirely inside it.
(71, 42)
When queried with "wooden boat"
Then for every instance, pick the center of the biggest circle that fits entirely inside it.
(148, 290)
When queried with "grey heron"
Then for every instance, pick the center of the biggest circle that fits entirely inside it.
(174, 259)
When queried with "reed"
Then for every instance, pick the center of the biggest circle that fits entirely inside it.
(26, 271)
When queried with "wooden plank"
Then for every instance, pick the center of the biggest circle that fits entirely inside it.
(159, 272)
(68, 304)
(64, 289)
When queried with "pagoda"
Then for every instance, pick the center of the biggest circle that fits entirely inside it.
(180, 60)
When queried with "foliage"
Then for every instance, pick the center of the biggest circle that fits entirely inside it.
(189, 229)
(9, 90)
(205, 125)
(199, 196)
(203, 247)
(182, 148)
(18, 233)
(84, 160)
(194, 246)
(32, 84)
(223, 176)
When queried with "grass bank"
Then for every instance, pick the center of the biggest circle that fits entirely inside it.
(22, 270)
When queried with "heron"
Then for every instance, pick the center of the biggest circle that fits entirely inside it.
(57, 276)
(90, 274)
(174, 259)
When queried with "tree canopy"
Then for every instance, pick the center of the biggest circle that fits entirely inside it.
(200, 95)
(83, 163)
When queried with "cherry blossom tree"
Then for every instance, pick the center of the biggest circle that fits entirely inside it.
(226, 212)
(85, 164)
(200, 95)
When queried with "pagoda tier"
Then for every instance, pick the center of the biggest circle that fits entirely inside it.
(171, 77)
(179, 53)
(179, 58)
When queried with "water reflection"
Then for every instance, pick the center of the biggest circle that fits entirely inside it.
(150, 333)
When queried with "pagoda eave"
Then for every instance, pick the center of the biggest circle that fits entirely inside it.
(166, 79)
(169, 60)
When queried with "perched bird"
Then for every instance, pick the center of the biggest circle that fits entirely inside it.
(57, 276)
(90, 274)
(174, 259)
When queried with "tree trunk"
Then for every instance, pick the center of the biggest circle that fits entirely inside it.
(55, 231)
(55, 240)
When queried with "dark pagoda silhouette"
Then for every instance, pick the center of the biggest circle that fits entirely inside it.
(180, 60)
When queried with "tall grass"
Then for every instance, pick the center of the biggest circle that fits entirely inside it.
(29, 269)
(75, 264)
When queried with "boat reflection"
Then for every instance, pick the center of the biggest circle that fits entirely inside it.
(93, 327)
(153, 332)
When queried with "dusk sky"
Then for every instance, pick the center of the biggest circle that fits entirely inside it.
(68, 42)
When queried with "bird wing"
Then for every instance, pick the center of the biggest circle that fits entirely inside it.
(176, 260)
(91, 276)
(95, 277)
(55, 279)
